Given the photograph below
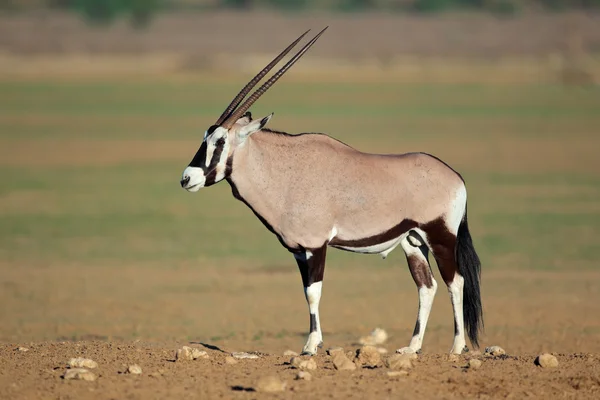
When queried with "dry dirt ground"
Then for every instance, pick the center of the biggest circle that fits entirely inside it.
(36, 374)
(527, 313)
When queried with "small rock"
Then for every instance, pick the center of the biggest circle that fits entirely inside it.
(197, 353)
(295, 362)
(453, 357)
(494, 351)
(308, 365)
(185, 353)
(342, 363)
(189, 353)
(303, 375)
(270, 384)
(230, 360)
(410, 356)
(332, 350)
(546, 361)
(80, 362)
(290, 353)
(303, 364)
(243, 354)
(393, 374)
(368, 356)
(22, 349)
(134, 369)
(155, 374)
(377, 336)
(474, 363)
(399, 361)
(81, 374)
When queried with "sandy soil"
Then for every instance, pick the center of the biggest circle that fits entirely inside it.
(527, 313)
(37, 373)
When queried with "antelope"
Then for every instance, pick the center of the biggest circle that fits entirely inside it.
(315, 192)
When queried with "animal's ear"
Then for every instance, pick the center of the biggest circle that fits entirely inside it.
(253, 126)
(245, 119)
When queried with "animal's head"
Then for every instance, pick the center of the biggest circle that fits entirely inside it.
(213, 160)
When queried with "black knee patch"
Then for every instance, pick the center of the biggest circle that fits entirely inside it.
(416, 238)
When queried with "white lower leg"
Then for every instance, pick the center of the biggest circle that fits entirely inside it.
(456, 296)
(315, 337)
(427, 289)
(426, 296)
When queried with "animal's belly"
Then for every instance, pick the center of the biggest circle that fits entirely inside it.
(383, 248)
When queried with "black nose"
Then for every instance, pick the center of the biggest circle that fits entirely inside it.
(185, 181)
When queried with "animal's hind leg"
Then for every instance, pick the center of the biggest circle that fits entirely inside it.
(443, 250)
(416, 252)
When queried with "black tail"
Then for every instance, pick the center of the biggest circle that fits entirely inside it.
(469, 267)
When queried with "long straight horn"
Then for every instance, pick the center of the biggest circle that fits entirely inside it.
(240, 96)
(261, 90)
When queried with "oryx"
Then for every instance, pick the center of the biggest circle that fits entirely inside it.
(313, 191)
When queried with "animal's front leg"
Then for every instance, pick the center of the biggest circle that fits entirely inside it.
(312, 266)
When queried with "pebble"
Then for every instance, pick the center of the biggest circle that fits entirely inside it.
(80, 362)
(81, 374)
(368, 356)
(270, 384)
(22, 349)
(546, 361)
(342, 363)
(290, 353)
(495, 351)
(189, 353)
(399, 361)
(303, 364)
(134, 369)
(453, 357)
(332, 350)
(242, 355)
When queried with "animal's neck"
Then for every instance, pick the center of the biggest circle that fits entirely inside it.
(258, 174)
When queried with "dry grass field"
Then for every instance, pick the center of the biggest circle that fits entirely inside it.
(103, 255)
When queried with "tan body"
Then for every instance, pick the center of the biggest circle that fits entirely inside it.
(312, 189)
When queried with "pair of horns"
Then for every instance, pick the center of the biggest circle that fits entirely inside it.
(232, 113)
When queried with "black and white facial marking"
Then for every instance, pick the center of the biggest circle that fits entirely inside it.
(209, 165)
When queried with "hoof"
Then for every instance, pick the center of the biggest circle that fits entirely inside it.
(307, 352)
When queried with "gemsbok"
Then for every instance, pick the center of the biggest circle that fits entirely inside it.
(313, 191)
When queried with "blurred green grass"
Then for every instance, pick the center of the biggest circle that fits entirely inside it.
(89, 171)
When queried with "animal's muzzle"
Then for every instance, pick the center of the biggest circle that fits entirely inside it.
(185, 181)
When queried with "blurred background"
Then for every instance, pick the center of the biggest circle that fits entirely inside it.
(104, 103)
